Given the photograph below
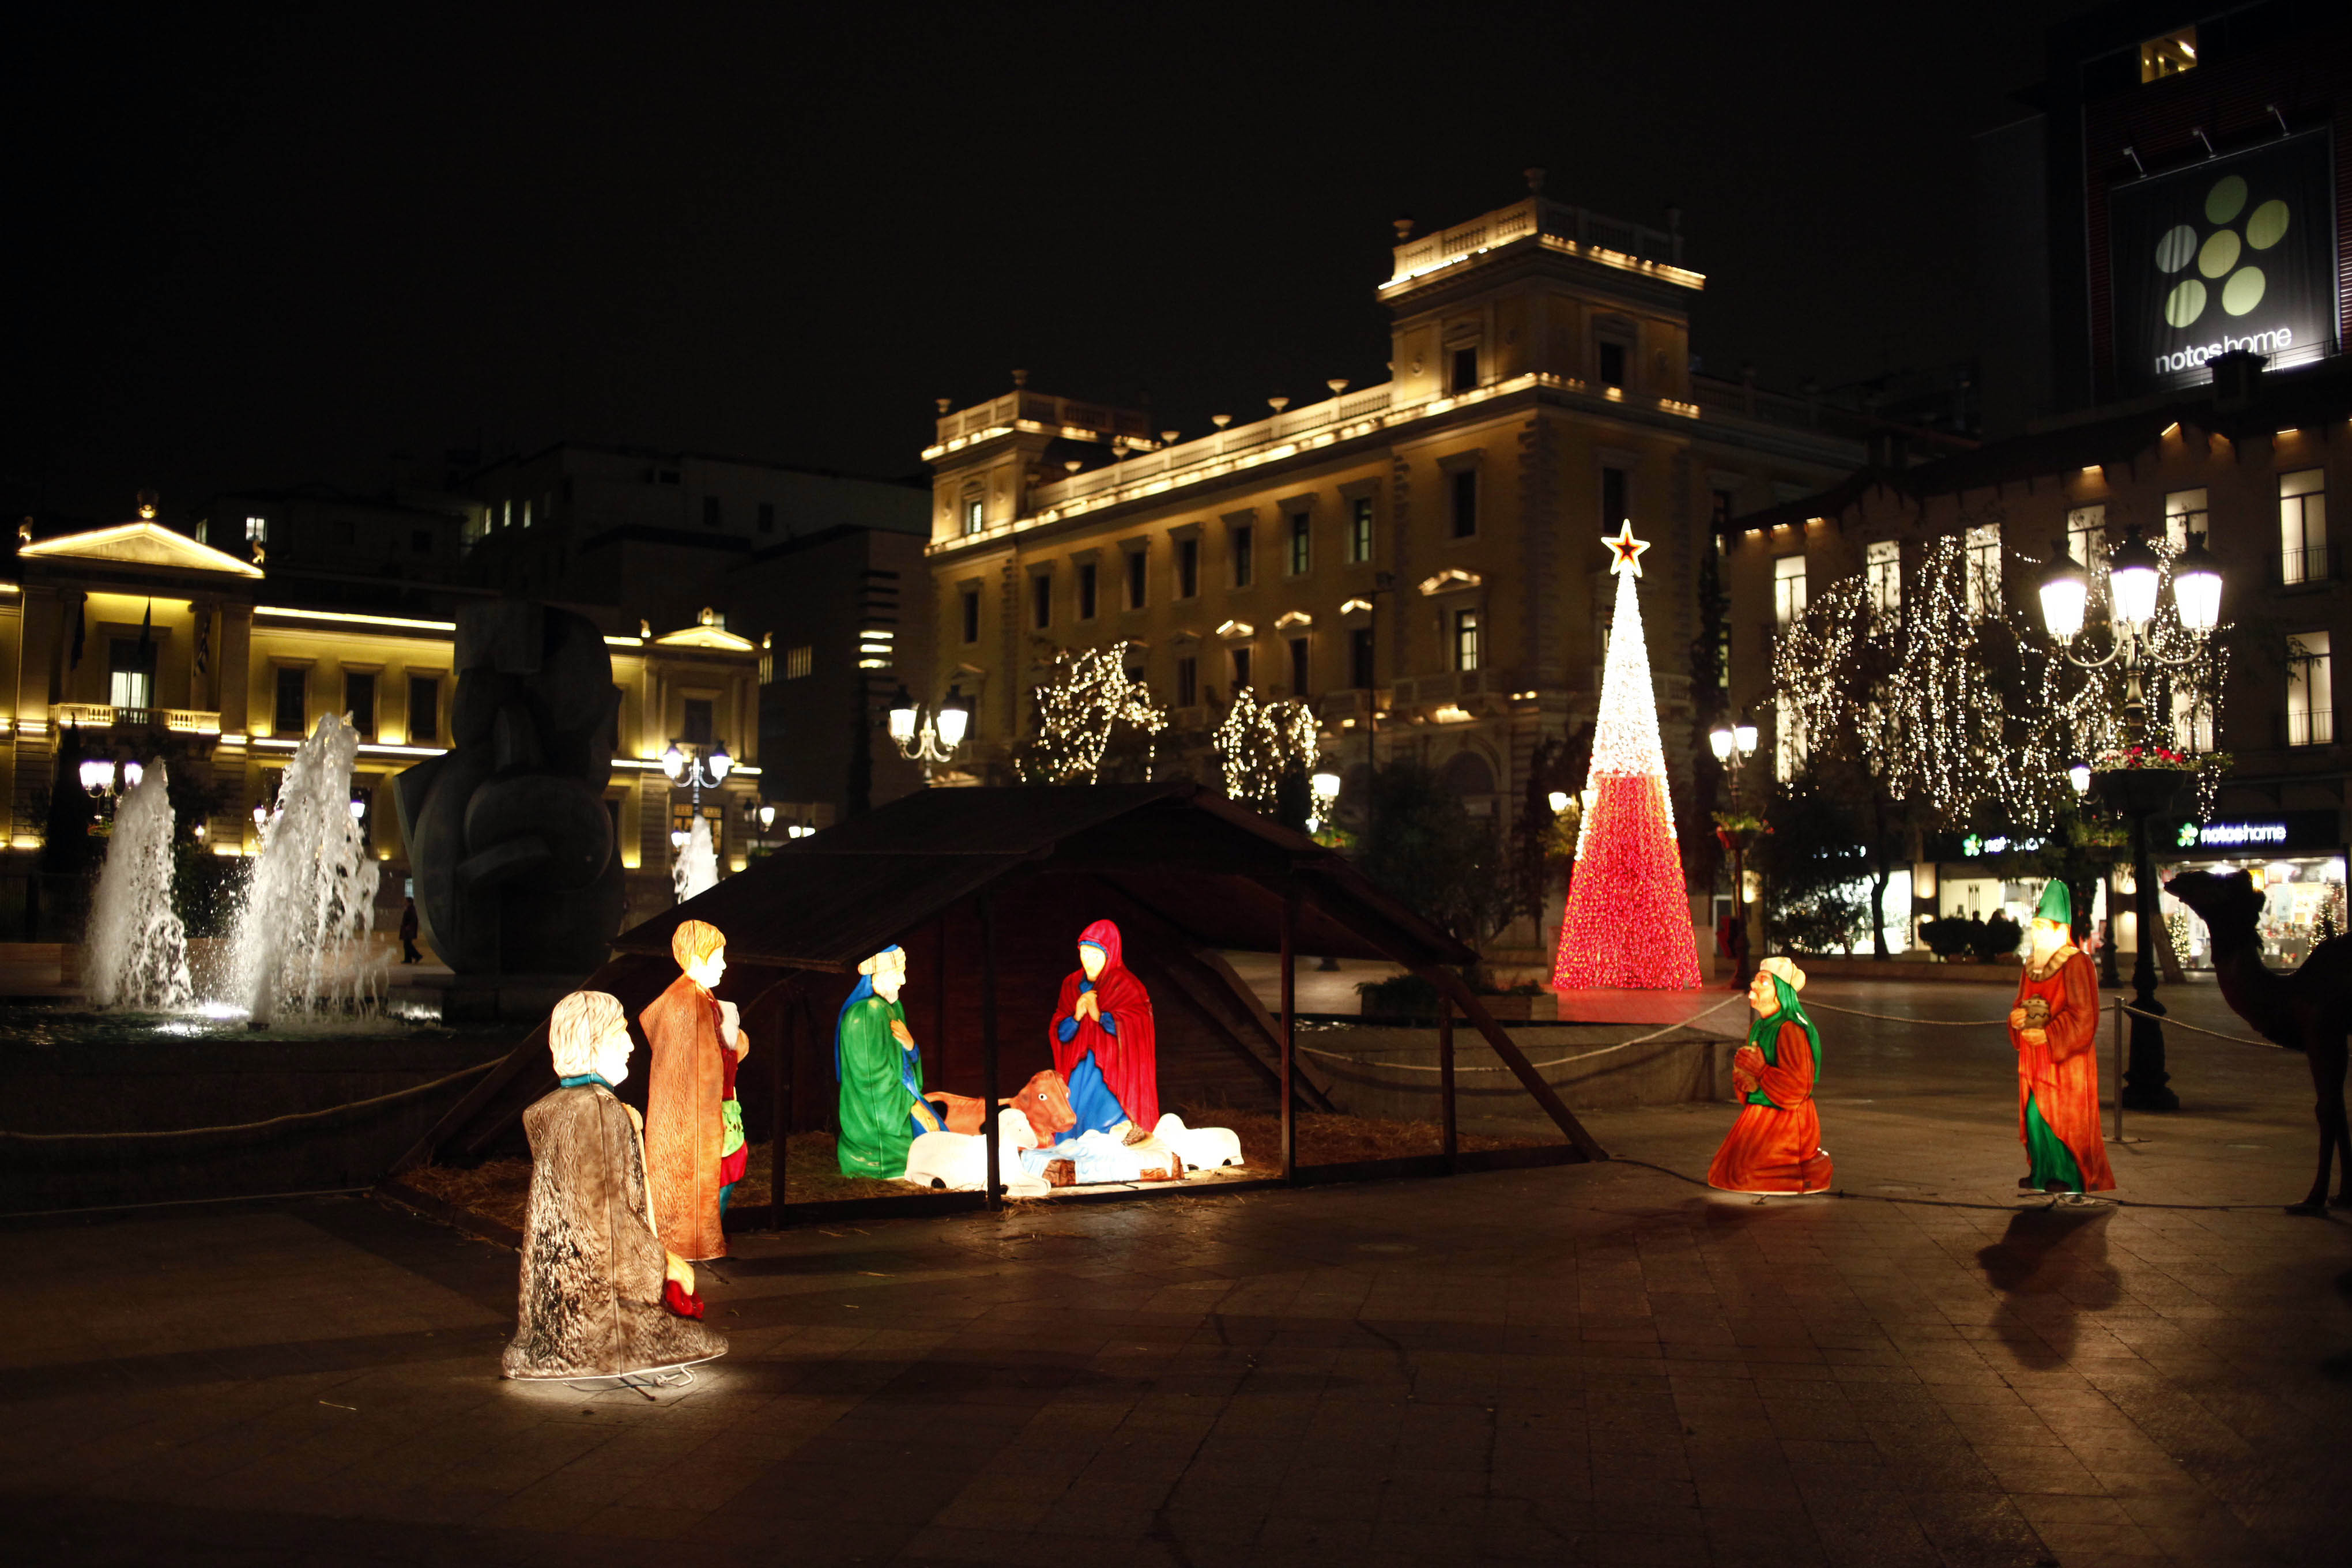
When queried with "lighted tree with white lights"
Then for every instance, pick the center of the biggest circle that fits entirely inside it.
(1260, 743)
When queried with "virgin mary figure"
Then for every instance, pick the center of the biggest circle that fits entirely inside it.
(1103, 1041)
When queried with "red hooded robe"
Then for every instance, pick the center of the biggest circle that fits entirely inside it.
(1129, 1059)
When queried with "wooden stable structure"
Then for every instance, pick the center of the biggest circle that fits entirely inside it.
(986, 889)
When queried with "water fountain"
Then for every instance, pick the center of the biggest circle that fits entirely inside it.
(137, 951)
(301, 936)
(697, 869)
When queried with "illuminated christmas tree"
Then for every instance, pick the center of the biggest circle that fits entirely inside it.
(1629, 920)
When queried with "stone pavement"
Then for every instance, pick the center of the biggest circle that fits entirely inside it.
(1589, 1364)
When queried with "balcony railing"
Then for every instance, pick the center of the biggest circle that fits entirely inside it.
(2314, 727)
(106, 716)
(2309, 564)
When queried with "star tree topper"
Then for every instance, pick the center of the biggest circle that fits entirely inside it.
(1628, 549)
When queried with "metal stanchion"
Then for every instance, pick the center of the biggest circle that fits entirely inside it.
(2119, 1032)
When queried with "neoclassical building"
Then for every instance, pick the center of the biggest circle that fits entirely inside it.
(144, 641)
(1421, 555)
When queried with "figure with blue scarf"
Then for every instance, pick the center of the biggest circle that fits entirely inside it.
(881, 1074)
(1775, 1146)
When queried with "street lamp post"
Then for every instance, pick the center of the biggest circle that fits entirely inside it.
(2133, 579)
(1732, 744)
(696, 770)
(931, 738)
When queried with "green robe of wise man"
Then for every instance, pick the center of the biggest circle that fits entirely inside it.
(882, 1104)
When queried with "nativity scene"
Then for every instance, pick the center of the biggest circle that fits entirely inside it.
(1092, 1119)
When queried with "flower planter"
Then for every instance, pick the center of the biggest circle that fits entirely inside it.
(2139, 791)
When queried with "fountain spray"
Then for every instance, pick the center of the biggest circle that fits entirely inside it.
(301, 942)
(138, 950)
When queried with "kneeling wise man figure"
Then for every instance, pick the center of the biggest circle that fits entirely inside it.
(2054, 1027)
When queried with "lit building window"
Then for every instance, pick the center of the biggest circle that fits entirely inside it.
(1983, 546)
(1465, 639)
(1302, 542)
(2192, 720)
(1360, 530)
(1883, 567)
(875, 650)
(2184, 514)
(2302, 526)
(800, 661)
(257, 530)
(1788, 589)
(2169, 55)
(2310, 691)
(131, 673)
(975, 514)
(2086, 539)
(1244, 542)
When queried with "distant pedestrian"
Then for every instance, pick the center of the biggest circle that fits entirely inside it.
(408, 953)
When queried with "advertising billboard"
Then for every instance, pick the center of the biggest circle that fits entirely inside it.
(2236, 252)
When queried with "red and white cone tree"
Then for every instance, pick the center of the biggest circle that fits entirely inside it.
(1629, 919)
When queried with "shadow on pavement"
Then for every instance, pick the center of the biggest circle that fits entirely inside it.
(2051, 1265)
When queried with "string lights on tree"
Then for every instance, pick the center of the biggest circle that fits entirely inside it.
(1259, 742)
(1628, 921)
(1085, 696)
(1948, 707)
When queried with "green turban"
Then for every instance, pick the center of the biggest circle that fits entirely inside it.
(2057, 903)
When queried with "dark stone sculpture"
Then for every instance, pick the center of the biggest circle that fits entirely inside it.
(508, 835)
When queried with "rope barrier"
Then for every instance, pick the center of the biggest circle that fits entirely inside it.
(1899, 1018)
(408, 1093)
(2172, 1022)
(1556, 1061)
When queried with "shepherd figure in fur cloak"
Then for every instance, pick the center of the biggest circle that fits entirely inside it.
(601, 1297)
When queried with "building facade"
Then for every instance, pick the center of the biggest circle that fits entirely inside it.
(2255, 464)
(1419, 560)
(820, 564)
(136, 641)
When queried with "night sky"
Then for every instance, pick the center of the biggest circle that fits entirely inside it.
(298, 242)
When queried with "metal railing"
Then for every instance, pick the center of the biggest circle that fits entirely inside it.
(106, 716)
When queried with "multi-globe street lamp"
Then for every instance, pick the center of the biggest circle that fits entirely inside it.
(697, 770)
(929, 738)
(2135, 579)
(1732, 744)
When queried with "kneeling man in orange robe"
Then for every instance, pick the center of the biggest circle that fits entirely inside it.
(2054, 1027)
(1776, 1144)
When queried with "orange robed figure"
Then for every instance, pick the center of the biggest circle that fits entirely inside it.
(2054, 1027)
(694, 1129)
(1775, 1146)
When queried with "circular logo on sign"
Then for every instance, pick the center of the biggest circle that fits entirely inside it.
(2220, 253)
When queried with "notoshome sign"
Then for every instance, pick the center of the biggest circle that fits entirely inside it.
(2228, 254)
(2286, 831)
(2231, 835)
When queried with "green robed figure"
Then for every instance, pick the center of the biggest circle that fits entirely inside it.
(881, 1074)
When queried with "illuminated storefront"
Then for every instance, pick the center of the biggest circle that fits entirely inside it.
(2296, 858)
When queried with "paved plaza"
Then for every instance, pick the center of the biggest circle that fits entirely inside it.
(1601, 1364)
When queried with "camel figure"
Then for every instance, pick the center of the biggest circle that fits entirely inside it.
(2308, 1010)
